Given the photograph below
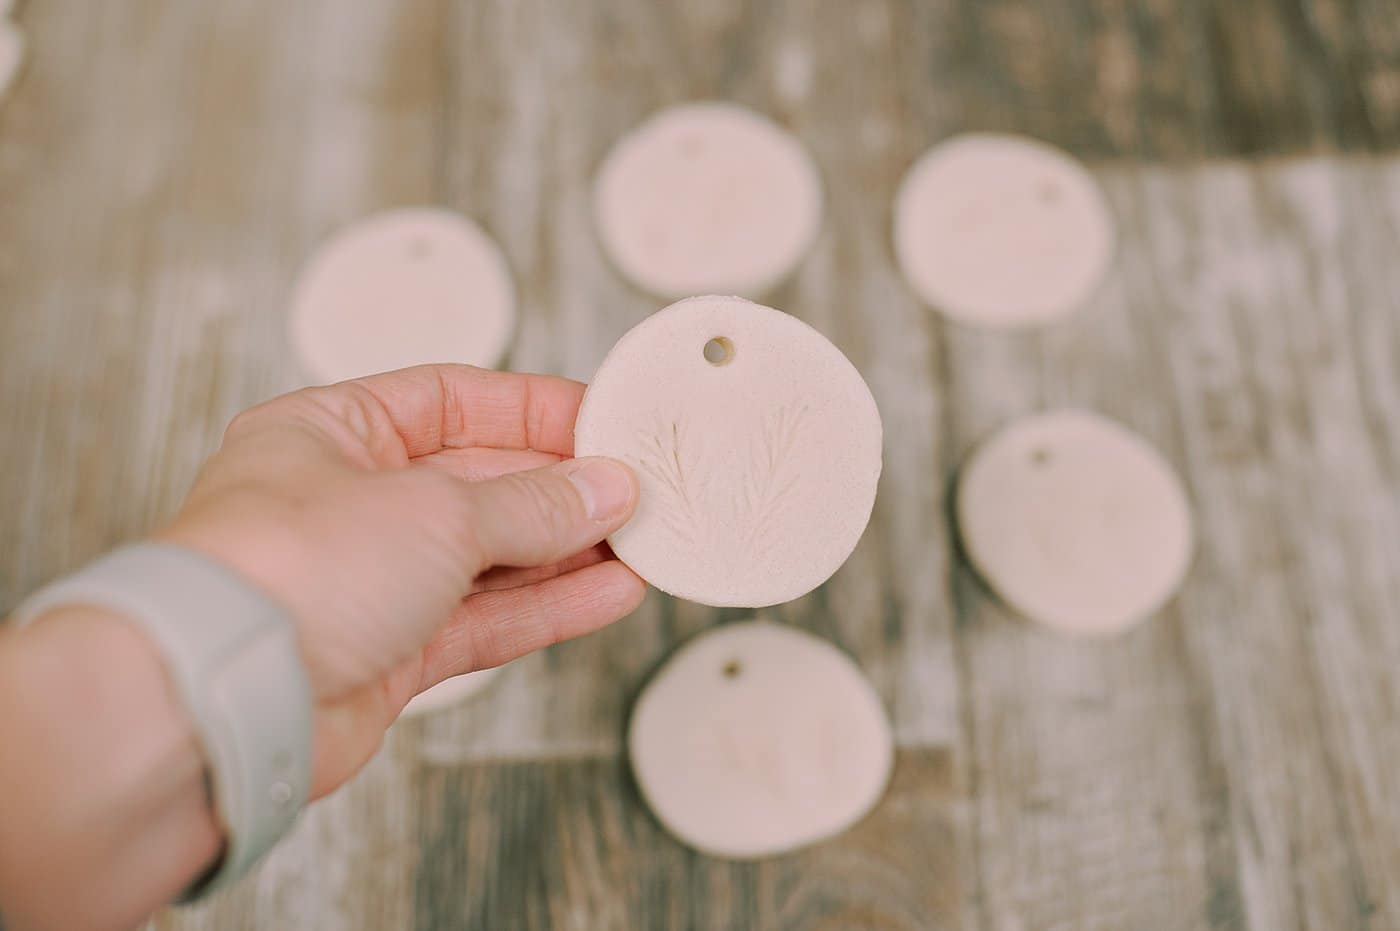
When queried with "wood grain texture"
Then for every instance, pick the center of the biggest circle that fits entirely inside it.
(570, 845)
(165, 167)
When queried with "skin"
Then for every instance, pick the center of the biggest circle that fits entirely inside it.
(416, 525)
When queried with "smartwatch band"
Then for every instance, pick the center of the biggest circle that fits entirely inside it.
(233, 655)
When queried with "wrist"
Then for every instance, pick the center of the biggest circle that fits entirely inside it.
(248, 537)
(112, 796)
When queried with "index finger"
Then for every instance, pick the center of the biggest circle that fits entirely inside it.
(433, 407)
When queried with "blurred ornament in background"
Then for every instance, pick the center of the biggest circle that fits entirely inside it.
(707, 198)
(1075, 521)
(1002, 231)
(403, 287)
(756, 738)
(450, 692)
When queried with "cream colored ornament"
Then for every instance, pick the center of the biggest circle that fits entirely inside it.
(756, 738)
(707, 198)
(756, 442)
(1075, 521)
(404, 287)
(450, 692)
(1002, 231)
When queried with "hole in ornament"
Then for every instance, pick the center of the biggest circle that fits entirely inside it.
(719, 351)
(1040, 456)
(732, 669)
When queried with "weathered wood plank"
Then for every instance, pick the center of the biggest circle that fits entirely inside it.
(1095, 801)
(569, 845)
(1292, 615)
(1158, 78)
(350, 863)
(1224, 764)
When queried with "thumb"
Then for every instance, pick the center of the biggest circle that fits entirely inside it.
(539, 517)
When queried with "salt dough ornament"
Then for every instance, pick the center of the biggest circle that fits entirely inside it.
(12, 48)
(450, 692)
(1002, 231)
(707, 198)
(1075, 521)
(755, 739)
(756, 442)
(404, 287)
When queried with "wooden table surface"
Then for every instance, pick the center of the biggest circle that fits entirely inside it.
(166, 166)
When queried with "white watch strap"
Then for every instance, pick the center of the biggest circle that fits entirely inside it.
(233, 655)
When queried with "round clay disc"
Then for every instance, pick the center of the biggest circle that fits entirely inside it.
(450, 692)
(755, 739)
(11, 54)
(999, 230)
(400, 288)
(1075, 521)
(707, 198)
(756, 442)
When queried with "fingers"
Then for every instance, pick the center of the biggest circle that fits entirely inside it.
(504, 577)
(540, 517)
(444, 406)
(384, 421)
(496, 627)
(480, 463)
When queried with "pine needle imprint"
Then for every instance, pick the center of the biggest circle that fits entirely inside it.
(667, 457)
(767, 487)
(679, 466)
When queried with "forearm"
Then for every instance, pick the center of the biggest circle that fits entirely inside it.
(104, 814)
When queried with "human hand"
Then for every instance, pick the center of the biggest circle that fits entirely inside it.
(418, 525)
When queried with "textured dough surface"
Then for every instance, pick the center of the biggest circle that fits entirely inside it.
(1075, 521)
(707, 198)
(450, 692)
(400, 288)
(757, 475)
(756, 738)
(1001, 230)
(11, 54)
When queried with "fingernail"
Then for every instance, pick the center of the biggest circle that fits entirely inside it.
(605, 487)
